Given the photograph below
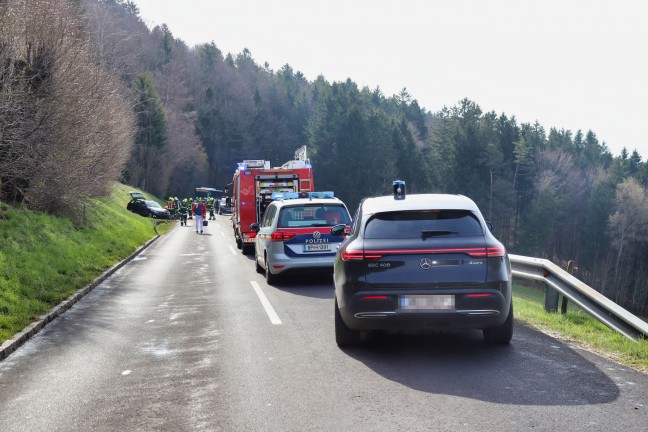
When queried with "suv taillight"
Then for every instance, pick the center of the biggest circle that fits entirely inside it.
(496, 251)
(489, 252)
(359, 255)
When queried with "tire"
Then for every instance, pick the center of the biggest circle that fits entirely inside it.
(247, 249)
(258, 267)
(344, 336)
(271, 279)
(501, 335)
(239, 243)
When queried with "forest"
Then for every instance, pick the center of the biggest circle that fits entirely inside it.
(89, 95)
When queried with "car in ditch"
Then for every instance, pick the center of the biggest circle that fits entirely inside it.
(421, 263)
(295, 233)
(145, 207)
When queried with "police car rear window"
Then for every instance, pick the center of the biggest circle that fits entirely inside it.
(423, 224)
(312, 216)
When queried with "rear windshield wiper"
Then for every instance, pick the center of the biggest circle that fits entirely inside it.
(433, 233)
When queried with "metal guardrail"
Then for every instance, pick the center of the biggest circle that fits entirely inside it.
(590, 300)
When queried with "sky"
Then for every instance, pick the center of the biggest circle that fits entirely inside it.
(569, 64)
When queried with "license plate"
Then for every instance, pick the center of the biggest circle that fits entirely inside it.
(427, 302)
(317, 247)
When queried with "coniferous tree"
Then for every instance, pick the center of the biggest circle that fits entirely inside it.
(148, 166)
(409, 164)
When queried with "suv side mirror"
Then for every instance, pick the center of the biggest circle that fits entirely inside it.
(338, 230)
(254, 227)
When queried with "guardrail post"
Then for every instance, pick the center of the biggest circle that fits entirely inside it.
(565, 300)
(550, 299)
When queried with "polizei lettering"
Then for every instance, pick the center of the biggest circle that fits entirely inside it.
(319, 240)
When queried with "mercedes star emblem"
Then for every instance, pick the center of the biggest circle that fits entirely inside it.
(426, 263)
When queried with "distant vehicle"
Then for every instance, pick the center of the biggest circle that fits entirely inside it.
(223, 208)
(207, 192)
(294, 234)
(148, 208)
(421, 263)
(252, 186)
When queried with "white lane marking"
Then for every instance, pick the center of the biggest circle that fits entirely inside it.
(274, 318)
(232, 249)
(222, 234)
(126, 372)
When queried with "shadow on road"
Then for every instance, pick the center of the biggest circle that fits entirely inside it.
(534, 370)
(316, 284)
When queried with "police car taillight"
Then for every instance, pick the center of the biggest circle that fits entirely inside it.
(282, 236)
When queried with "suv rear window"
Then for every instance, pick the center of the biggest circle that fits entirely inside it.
(420, 224)
(312, 216)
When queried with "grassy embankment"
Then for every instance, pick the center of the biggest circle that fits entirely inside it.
(578, 328)
(45, 259)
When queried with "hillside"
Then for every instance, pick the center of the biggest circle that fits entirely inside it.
(44, 259)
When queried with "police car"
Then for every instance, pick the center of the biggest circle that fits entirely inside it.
(295, 233)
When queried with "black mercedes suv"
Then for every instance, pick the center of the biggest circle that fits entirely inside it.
(421, 263)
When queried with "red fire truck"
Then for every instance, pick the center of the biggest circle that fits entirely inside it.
(252, 187)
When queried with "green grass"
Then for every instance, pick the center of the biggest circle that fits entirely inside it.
(528, 292)
(580, 329)
(44, 259)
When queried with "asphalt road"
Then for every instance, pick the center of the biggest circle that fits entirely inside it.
(188, 337)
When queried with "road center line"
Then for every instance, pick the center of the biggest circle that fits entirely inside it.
(274, 318)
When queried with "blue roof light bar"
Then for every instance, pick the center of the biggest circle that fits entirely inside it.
(294, 195)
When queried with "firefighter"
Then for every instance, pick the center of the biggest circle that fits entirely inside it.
(210, 207)
(190, 202)
(182, 210)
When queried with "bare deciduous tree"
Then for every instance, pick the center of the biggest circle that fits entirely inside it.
(190, 163)
(66, 126)
(629, 223)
